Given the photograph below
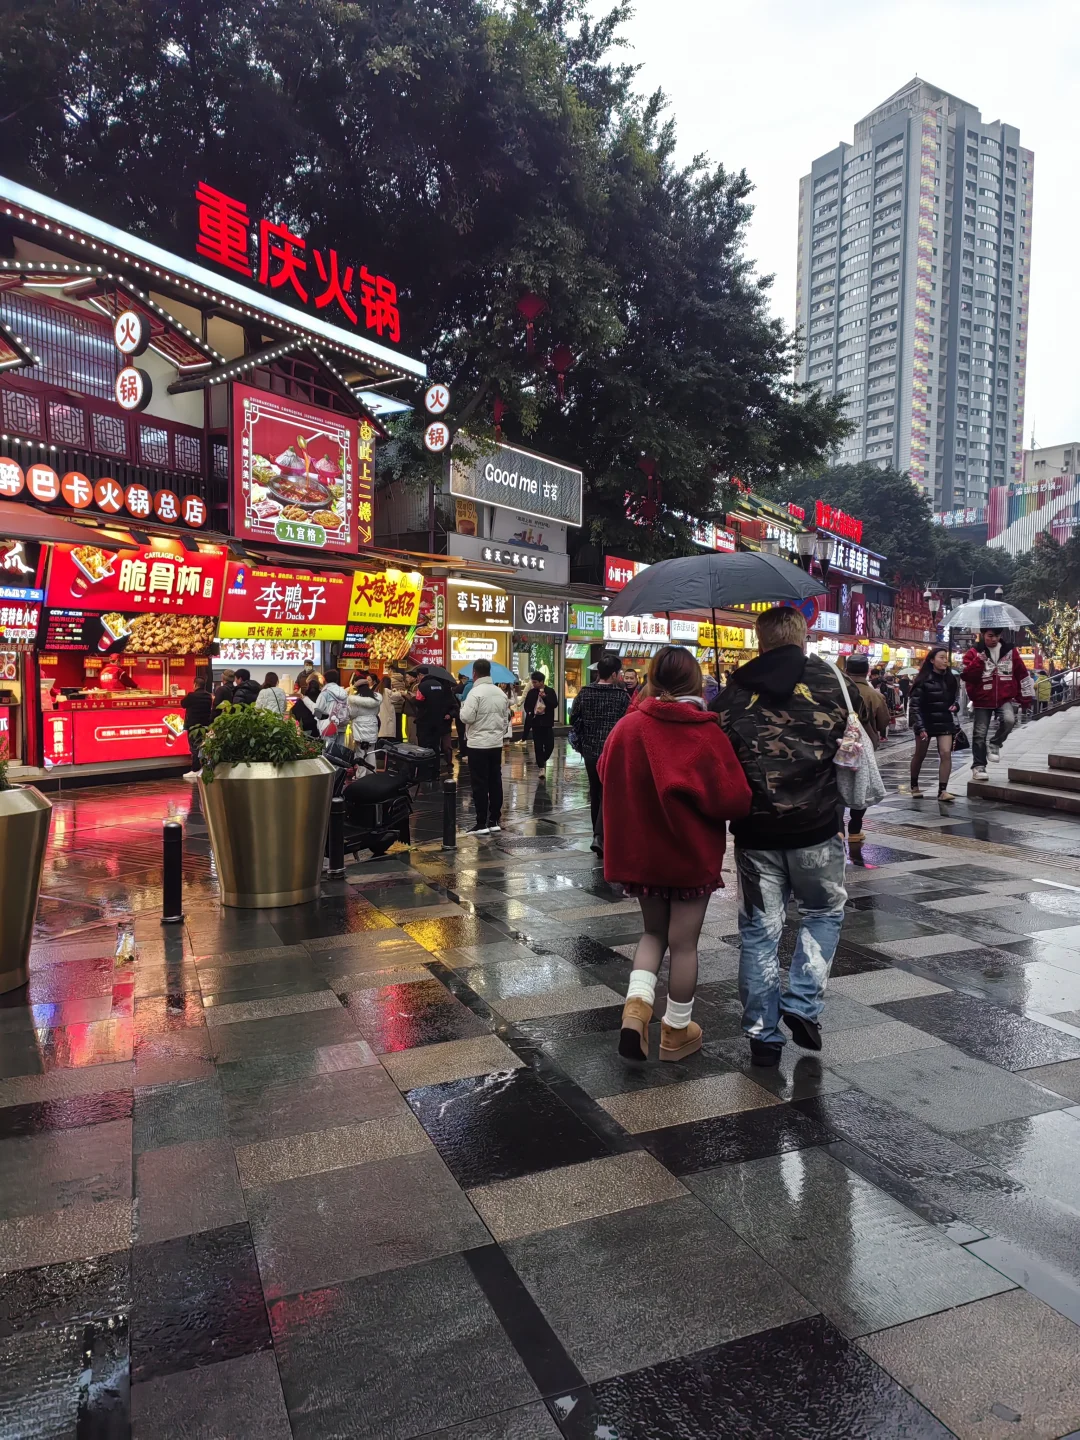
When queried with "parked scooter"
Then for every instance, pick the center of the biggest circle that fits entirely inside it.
(377, 803)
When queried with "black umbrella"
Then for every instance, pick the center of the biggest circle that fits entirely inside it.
(703, 584)
(436, 671)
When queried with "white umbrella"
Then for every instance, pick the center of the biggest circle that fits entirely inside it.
(985, 615)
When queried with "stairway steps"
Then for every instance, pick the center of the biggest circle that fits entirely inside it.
(1064, 762)
(1035, 797)
(1046, 779)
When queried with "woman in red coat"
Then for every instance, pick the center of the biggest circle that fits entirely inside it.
(671, 781)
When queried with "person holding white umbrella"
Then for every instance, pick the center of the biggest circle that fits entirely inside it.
(997, 683)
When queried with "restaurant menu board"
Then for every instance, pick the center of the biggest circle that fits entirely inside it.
(263, 603)
(295, 472)
(20, 615)
(108, 634)
(429, 641)
(159, 578)
(377, 646)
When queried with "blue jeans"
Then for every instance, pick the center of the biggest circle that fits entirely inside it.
(768, 879)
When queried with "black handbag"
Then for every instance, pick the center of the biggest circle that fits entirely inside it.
(959, 740)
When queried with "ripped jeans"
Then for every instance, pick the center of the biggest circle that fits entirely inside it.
(768, 879)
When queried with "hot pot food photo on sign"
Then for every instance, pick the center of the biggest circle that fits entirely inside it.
(296, 472)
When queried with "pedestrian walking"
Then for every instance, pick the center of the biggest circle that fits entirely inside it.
(540, 707)
(436, 708)
(857, 669)
(245, 689)
(1043, 691)
(225, 691)
(198, 707)
(998, 684)
(271, 696)
(932, 712)
(785, 714)
(303, 711)
(485, 712)
(364, 706)
(332, 709)
(597, 708)
(391, 708)
(671, 782)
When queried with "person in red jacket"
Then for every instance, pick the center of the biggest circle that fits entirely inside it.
(671, 782)
(997, 683)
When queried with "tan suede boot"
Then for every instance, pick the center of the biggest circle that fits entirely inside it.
(678, 1044)
(634, 1039)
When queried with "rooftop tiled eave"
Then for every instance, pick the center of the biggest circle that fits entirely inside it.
(93, 242)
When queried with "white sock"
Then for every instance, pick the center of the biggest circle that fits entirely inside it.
(642, 986)
(676, 1015)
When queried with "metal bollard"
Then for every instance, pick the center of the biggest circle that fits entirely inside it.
(449, 814)
(172, 873)
(336, 867)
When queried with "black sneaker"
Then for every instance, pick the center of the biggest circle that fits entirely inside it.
(765, 1053)
(804, 1032)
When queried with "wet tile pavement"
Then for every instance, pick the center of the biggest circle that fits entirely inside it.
(372, 1167)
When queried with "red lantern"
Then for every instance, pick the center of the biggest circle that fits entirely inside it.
(530, 306)
(498, 410)
(650, 507)
(562, 360)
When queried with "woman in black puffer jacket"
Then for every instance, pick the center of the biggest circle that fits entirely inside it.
(932, 711)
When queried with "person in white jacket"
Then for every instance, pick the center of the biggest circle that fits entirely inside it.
(364, 714)
(271, 696)
(332, 710)
(484, 712)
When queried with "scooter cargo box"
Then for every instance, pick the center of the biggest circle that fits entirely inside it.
(414, 761)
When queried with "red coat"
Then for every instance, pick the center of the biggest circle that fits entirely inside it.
(990, 685)
(671, 781)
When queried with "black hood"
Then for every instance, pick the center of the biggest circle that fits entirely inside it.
(776, 673)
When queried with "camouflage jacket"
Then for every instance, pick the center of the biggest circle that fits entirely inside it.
(784, 713)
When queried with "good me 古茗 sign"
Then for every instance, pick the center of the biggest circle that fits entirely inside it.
(517, 480)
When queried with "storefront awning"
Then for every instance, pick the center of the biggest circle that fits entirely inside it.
(24, 522)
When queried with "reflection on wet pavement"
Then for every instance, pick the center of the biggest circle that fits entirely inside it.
(277, 1172)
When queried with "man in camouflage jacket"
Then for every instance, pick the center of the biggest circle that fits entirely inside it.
(785, 714)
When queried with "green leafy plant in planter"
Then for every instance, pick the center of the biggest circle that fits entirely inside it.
(242, 735)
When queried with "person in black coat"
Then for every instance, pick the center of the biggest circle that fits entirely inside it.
(540, 707)
(198, 707)
(932, 711)
(246, 690)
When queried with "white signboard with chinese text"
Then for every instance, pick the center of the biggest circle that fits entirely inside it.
(543, 567)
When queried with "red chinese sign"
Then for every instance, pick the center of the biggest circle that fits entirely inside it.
(838, 522)
(618, 572)
(270, 604)
(298, 478)
(315, 277)
(77, 490)
(429, 642)
(163, 577)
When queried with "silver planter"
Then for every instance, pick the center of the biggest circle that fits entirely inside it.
(24, 829)
(268, 828)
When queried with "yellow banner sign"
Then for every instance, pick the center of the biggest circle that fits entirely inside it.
(728, 637)
(390, 597)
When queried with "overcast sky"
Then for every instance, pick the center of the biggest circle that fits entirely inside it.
(767, 87)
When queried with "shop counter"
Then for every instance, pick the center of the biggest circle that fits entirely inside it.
(88, 731)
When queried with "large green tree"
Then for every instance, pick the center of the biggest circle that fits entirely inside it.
(474, 150)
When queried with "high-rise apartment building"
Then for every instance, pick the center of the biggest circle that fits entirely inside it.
(914, 267)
